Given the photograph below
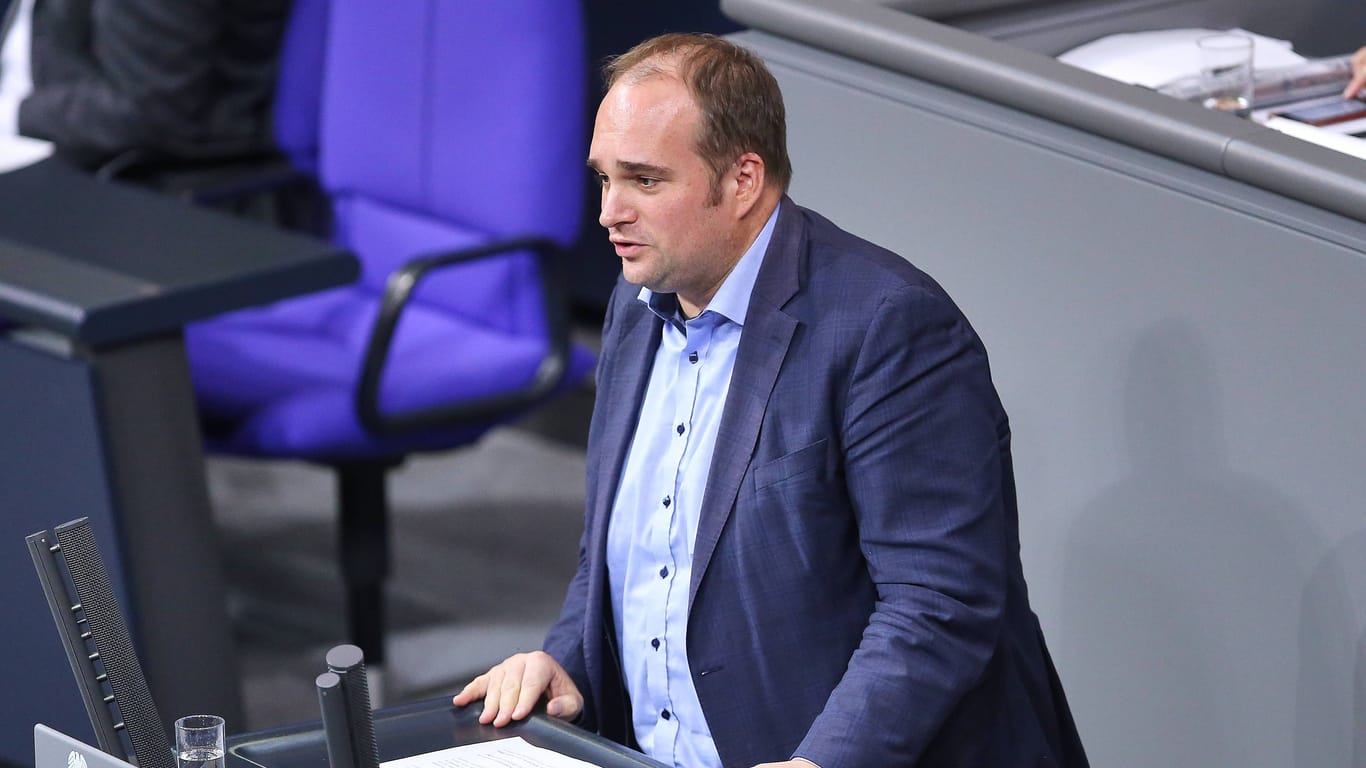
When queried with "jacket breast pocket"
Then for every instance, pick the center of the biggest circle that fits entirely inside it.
(809, 464)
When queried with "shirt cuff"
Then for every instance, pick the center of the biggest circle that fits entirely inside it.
(9, 116)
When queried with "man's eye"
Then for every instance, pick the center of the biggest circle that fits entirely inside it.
(647, 182)
(602, 179)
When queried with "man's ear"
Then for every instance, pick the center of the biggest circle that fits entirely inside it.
(749, 178)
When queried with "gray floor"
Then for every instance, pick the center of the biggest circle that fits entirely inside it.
(484, 541)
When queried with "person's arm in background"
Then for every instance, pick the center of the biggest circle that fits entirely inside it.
(1358, 74)
(114, 75)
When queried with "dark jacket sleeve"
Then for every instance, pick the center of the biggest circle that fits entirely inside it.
(565, 640)
(922, 436)
(179, 77)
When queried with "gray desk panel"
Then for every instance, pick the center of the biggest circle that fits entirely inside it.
(57, 292)
(106, 264)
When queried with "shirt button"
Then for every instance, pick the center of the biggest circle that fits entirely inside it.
(654, 643)
(668, 500)
(664, 572)
(665, 714)
(692, 358)
(680, 429)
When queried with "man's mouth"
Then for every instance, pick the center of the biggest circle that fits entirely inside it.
(626, 248)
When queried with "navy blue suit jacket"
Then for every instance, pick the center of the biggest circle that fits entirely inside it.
(857, 596)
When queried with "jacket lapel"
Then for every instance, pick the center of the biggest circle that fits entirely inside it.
(763, 345)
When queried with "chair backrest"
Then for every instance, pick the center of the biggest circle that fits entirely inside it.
(298, 85)
(449, 123)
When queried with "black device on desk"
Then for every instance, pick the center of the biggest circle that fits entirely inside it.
(1335, 111)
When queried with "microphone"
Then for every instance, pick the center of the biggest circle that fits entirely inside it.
(336, 727)
(344, 697)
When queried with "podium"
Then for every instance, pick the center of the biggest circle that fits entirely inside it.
(96, 282)
(428, 726)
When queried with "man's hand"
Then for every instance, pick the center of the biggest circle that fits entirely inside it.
(512, 689)
(1358, 74)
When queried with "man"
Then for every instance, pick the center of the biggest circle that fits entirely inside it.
(801, 542)
(164, 78)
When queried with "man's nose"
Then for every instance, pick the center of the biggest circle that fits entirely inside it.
(615, 210)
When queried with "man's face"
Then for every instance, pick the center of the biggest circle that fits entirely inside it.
(658, 201)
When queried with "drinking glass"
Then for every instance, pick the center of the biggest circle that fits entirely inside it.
(199, 741)
(1226, 72)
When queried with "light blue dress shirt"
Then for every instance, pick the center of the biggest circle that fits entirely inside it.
(654, 518)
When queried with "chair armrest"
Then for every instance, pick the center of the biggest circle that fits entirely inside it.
(210, 181)
(399, 290)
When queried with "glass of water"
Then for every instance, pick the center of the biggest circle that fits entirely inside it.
(1226, 72)
(199, 741)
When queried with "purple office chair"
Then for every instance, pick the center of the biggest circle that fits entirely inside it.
(451, 148)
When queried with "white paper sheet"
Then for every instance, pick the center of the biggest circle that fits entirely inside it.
(500, 753)
(1153, 59)
(1332, 139)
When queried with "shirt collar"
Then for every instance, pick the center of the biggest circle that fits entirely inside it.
(732, 298)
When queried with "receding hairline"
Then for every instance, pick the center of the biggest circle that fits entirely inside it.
(670, 54)
(665, 64)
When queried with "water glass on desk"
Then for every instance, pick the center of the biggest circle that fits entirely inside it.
(199, 741)
(1226, 72)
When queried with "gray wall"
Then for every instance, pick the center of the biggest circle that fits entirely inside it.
(1182, 356)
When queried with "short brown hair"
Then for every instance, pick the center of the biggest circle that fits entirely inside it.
(741, 104)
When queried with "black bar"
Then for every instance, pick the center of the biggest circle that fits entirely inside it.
(336, 721)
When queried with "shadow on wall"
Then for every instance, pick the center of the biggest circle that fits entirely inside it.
(1199, 623)
(1331, 729)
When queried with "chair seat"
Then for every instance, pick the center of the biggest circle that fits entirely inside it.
(284, 377)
